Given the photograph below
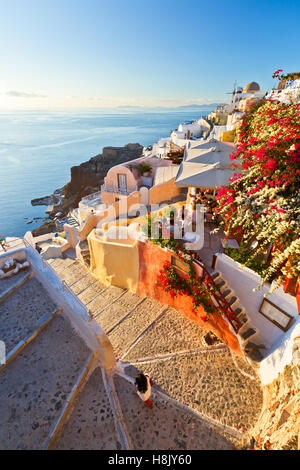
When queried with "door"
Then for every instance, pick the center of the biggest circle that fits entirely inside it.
(122, 182)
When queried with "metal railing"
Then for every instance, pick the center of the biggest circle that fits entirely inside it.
(92, 196)
(111, 189)
(218, 297)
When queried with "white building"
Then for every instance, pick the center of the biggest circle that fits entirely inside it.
(251, 90)
(190, 130)
(161, 148)
(291, 91)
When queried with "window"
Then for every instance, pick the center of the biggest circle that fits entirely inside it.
(275, 315)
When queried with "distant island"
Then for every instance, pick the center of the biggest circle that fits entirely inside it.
(186, 106)
(200, 106)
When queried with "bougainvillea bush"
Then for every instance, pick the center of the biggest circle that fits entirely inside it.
(188, 284)
(262, 202)
(176, 156)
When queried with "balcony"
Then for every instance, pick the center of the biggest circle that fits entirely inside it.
(116, 190)
(92, 197)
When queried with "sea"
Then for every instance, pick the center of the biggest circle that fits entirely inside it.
(38, 149)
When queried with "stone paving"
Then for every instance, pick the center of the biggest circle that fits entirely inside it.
(127, 331)
(34, 387)
(209, 383)
(60, 263)
(30, 302)
(10, 282)
(165, 426)
(91, 422)
(83, 283)
(118, 310)
(72, 273)
(171, 333)
(201, 394)
(104, 299)
(91, 292)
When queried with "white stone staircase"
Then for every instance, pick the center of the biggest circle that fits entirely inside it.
(249, 338)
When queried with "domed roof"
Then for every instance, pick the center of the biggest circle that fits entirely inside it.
(251, 87)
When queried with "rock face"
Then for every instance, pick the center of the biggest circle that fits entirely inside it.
(85, 179)
(45, 201)
(90, 175)
(279, 425)
(47, 227)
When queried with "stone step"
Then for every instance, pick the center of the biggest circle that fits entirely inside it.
(66, 263)
(92, 292)
(255, 356)
(209, 382)
(253, 346)
(226, 293)
(166, 425)
(15, 280)
(232, 300)
(118, 310)
(84, 245)
(66, 271)
(104, 299)
(35, 385)
(215, 275)
(61, 420)
(238, 311)
(90, 425)
(129, 329)
(220, 284)
(21, 312)
(171, 333)
(58, 263)
(73, 274)
(247, 333)
(241, 315)
(83, 283)
(39, 327)
(243, 318)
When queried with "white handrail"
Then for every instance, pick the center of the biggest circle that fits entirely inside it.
(92, 196)
(111, 189)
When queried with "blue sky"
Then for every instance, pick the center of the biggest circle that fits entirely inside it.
(96, 53)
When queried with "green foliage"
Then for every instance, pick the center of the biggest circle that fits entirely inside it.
(144, 168)
(245, 256)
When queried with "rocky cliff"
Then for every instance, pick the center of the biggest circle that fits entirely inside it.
(278, 426)
(89, 176)
(86, 179)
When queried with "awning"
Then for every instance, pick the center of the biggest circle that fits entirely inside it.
(207, 165)
(201, 175)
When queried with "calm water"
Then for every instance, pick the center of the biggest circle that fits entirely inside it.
(37, 150)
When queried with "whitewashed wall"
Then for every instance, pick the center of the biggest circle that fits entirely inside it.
(281, 355)
(243, 281)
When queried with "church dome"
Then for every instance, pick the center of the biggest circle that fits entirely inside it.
(251, 87)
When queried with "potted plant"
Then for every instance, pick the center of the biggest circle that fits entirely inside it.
(144, 169)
